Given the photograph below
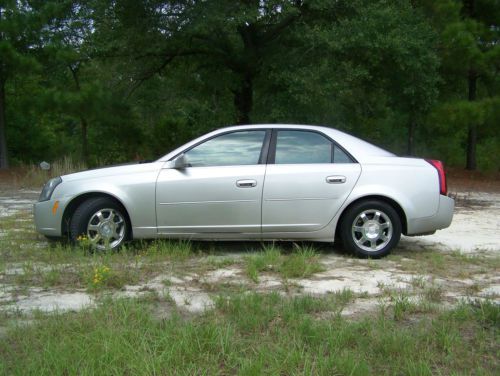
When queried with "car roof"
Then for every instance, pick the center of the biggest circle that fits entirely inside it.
(358, 148)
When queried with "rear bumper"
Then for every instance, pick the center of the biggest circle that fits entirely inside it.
(440, 220)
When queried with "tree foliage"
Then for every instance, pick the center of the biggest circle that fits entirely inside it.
(109, 81)
(469, 33)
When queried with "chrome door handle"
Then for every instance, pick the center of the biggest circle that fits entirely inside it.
(335, 179)
(246, 183)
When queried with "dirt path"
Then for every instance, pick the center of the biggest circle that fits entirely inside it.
(475, 227)
(12, 202)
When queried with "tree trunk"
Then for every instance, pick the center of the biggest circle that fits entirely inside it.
(83, 121)
(85, 142)
(472, 136)
(4, 163)
(412, 125)
(470, 9)
(243, 100)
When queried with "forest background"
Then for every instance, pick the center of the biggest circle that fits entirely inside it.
(105, 82)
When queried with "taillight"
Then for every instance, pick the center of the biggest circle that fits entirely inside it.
(438, 165)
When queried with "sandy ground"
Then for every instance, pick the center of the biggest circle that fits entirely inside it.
(14, 202)
(475, 230)
(475, 226)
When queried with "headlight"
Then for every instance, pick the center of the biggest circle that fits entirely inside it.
(48, 188)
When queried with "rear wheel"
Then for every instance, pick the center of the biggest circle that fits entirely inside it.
(370, 229)
(101, 221)
(51, 238)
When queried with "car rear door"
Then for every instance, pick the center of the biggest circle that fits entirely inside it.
(308, 178)
(221, 189)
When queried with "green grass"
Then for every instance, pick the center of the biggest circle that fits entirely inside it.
(172, 250)
(433, 293)
(218, 262)
(247, 333)
(302, 262)
(37, 262)
(253, 334)
(445, 264)
(268, 260)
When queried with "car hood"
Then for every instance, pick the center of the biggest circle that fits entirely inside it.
(114, 171)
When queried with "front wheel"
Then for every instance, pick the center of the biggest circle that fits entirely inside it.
(370, 229)
(101, 221)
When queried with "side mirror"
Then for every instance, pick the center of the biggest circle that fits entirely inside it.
(180, 162)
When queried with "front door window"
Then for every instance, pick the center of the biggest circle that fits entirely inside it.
(230, 149)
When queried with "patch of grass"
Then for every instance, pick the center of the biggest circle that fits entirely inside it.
(402, 303)
(103, 274)
(447, 264)
(418, 282)
(267, 260)
(26, 274)
(218, 262)
(252, 334)
(402, 306)
(150, 296)
(486, 311)
(82, 272)
(429, 291)
(167, 282)
(40, 263)
(344, 297)
(363, 295)
(371, 263)
(171, 249)
(52, 277)
(473, 289)
(433, 293)
(301, 263)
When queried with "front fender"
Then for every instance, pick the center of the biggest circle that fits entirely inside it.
(136, 192)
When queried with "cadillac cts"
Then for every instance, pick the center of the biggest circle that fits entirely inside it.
(256, 182)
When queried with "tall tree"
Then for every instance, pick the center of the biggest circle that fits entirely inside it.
(482, 18)
(394, 45)
(14, 44)
(21, 26)
(470, 52)
(229, 36)
(68, 52)
(237, 42)
(366, 66)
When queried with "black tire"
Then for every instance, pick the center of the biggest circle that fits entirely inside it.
(112, 222)
(53, 239)
(370, 228)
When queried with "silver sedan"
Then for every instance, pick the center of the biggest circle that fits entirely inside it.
(255, 182)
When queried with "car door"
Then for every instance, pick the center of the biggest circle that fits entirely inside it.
(308, 178)
(220, 190)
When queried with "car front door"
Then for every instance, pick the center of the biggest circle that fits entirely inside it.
(308, 178)
(219, 190)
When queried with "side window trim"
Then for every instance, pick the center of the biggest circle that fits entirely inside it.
(263, 151)
(272, 147)
(271, 158)
(336, 145)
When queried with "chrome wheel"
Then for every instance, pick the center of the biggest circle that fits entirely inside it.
(372, 230)
(106, 228)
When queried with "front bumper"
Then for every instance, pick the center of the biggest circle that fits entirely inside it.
(49, 215)
(440, 220)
